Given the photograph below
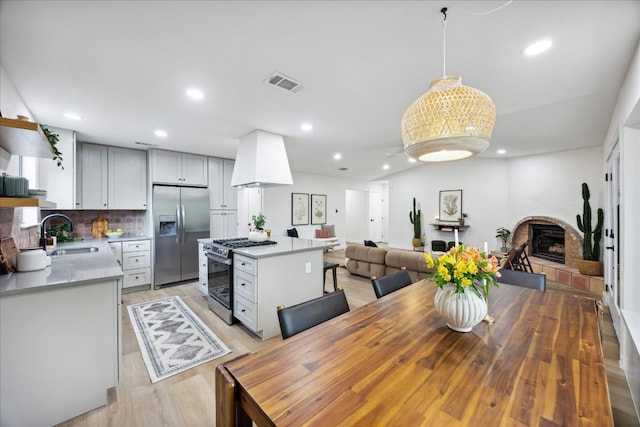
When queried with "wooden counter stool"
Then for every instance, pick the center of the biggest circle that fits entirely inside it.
(330, 266)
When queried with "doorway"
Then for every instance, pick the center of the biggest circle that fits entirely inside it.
(612, 237)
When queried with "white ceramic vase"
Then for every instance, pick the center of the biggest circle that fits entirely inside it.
(462, 311)
(257, 235)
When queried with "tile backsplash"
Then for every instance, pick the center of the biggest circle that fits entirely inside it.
(131, 222)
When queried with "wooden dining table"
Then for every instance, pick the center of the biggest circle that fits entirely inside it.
(394, 362)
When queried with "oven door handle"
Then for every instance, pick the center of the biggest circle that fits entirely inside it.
(216, 258)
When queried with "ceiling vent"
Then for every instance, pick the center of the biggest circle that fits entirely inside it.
(283, 82)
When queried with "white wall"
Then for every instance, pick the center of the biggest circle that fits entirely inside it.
(551, 184)
(484, 200)
(11, 105)
(277, 203)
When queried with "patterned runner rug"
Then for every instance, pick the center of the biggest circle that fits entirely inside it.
(172, 338)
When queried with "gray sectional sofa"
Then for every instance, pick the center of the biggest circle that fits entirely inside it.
(368, 261)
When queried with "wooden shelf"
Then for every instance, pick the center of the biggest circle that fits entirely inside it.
(25, 202)
(23, 138)
(443, 226)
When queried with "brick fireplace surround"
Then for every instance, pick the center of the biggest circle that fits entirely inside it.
(567, 273)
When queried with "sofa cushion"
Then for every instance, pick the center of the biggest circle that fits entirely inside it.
(413, 261)
(370, 243)
(323, 234)
(331, 228)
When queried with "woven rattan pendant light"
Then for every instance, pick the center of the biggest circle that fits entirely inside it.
(449, 122)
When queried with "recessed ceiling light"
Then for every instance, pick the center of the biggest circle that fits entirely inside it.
(306, 127)
(502, 151)
(412, 160)
(537, 47)
(161, 133)
(385, 167)
(337, 156)
(72, 116)
(194, 93)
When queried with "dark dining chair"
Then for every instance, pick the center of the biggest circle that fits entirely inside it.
(523, 278)
(308, 314)
(390, 283)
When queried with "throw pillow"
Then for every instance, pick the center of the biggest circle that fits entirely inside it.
(370, 243)
(331, 228)
(292, 232)
(322, 234)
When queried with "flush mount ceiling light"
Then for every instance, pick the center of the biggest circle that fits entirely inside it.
(537, 48)
(449, 122)
(306, 127)
(195, 94)
(160, 133)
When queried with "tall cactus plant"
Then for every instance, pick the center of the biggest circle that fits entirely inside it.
(414, 217)
(590, 249)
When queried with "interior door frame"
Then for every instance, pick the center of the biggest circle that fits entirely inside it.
(612, 242)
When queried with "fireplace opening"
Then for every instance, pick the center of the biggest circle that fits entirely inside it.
(547, 242)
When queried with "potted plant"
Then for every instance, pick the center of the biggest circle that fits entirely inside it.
(414, 217)
(590, 263)
(53, 139)
(503, 234)
(257, 234)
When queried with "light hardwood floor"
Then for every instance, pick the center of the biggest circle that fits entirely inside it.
(188, 399)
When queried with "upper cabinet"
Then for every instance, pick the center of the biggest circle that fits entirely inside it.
(223, 195)
(23, 138)
(127, 179)
(111, 178)
(171, 167)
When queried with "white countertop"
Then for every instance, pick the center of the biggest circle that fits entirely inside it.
(284, 246)
(66, 270)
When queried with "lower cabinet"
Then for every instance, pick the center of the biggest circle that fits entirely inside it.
(134, 257)
(60, 352)
(262, 284)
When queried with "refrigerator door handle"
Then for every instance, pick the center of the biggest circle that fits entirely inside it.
(184, 221)
(178, 224)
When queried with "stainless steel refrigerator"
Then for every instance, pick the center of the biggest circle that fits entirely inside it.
(180, 218)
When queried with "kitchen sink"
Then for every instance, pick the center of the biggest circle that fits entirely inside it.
(75, 251)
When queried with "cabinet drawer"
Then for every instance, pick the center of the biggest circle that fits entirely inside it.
(136, 277)
(245, 312)
(135, 260)
(244, 285)
(242, 263)
(136, 246)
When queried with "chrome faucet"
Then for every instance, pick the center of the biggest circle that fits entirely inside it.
(43, 237)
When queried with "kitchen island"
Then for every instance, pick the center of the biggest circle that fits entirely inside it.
(60, 336)
(265, 277)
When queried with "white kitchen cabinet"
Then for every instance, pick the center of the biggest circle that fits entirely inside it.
(127, 179)
(134, 256)
(111, 178)
(203, 270)
(60, 352)
(172, 167)
(223, 195)
(92, 177)
(224, 223)
(258, 287)
(60, 183)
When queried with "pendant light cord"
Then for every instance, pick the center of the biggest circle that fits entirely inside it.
(444, 42)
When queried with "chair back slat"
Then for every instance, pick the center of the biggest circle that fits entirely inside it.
(523, 279)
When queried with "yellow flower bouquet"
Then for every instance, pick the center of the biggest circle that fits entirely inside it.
(465, 268)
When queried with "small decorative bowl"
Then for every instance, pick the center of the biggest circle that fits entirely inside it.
(114, 235)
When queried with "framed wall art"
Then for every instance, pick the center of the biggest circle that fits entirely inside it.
(318, 209)
(299, 208)
(450, 205)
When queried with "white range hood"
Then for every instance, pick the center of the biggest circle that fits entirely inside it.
(261, 161)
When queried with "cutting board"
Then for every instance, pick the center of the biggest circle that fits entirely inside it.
(99, 227)
(9, 252)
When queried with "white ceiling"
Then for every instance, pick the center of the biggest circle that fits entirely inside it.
(124, 67)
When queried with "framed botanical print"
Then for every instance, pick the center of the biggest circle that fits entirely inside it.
(450, 205)
(299, 208)
(318, 209)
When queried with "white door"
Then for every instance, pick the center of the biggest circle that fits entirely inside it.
(612, 237)
(357, 215)
(375, 216)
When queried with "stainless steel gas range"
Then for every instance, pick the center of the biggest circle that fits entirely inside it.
(220, 274)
